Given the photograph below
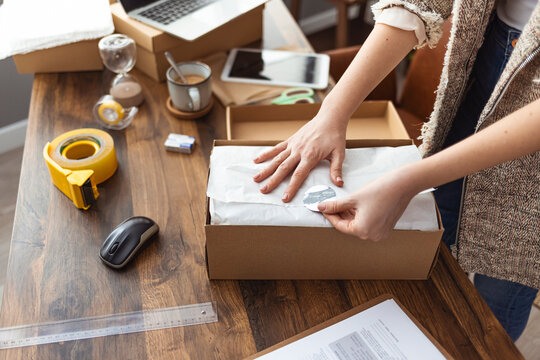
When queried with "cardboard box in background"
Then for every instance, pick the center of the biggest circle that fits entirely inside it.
(372, 120)
(79, 56)
(290, 252)
(152, 43)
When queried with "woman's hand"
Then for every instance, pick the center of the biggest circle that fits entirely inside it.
(324, 136)
(315, 141)
(372, 211)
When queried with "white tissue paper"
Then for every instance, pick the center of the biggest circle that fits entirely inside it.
(29, 25)
(235, 198)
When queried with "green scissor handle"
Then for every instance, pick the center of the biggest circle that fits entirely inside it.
(295, 95)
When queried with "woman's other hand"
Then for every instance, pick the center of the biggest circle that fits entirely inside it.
(372, 211)
(317, 140)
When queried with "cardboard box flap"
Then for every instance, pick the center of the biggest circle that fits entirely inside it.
(350, 144)
(371, 120)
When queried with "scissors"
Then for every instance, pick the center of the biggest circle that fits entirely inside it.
(294, 96)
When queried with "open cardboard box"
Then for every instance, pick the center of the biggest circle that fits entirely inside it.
(152, 43)
(372, 120)
(289, 252)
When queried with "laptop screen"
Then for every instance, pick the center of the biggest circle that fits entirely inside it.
(134, 4)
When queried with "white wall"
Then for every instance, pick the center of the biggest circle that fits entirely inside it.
(15, 93)
(15, 90)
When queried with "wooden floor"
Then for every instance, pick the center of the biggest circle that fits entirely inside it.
(10, 163)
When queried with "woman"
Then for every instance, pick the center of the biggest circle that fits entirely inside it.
(490, 88)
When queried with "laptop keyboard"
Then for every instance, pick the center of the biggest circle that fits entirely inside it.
(171, 10)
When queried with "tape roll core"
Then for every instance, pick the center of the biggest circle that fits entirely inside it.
(80, 150)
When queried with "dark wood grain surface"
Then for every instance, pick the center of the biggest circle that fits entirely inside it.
(54, 271)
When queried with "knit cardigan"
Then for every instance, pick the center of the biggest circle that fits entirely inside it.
(498, 231)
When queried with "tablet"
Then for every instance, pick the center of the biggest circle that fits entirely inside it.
(280, 68)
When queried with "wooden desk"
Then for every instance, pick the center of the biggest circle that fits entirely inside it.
(54, 272)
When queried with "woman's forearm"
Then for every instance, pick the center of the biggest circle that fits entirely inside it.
(384, 48)
(514, 136)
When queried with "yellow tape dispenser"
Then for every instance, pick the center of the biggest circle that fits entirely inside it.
(79, 160)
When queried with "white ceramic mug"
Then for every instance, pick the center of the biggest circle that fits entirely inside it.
(190, 97)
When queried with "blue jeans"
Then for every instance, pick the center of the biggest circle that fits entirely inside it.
(511, 302)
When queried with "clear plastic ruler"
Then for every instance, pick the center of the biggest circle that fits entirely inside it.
(105, 325)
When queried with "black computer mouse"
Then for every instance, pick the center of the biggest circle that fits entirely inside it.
(126, 240)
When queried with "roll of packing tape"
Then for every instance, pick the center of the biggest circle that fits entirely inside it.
(112, 115)
(111, 112)
(85, 149)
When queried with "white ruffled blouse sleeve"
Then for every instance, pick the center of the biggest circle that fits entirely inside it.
(402, 18)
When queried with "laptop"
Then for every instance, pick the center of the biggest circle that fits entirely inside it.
(187, 19)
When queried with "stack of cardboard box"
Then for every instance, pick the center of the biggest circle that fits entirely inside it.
(152, 43)
(151, 46)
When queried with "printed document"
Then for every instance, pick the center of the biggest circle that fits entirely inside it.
(382, 332)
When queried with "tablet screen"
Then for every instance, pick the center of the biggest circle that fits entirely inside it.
(274, 66)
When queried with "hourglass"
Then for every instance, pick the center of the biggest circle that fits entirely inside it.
(119, 54)
(116, 110)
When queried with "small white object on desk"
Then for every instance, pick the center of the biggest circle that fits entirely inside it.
(180, 143)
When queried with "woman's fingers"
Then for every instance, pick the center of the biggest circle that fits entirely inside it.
(298, 177)
(270, 169)
(270, 153)
(336, 206)
(336, 163)
(348, 214)
(341, 224)
(280, 173)
(347, 223)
